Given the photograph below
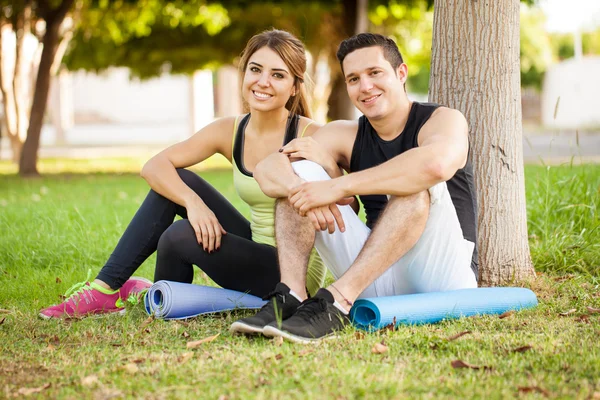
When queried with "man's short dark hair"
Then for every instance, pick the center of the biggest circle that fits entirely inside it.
(363, 40)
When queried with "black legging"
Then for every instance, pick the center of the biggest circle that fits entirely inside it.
(239, 264)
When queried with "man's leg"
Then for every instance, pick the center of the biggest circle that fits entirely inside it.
(295, 238)
(398, 229)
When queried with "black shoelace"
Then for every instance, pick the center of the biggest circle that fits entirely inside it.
(311, 307)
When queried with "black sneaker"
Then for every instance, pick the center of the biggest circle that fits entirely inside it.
(281, 305)
(316, 318)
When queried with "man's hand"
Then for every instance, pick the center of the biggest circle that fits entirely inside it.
(325, 218)
(311, 195)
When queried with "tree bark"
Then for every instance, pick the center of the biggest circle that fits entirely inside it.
(29, 155)
(475, 69)
(354, 20)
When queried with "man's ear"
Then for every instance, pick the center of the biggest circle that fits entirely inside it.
(402, 72)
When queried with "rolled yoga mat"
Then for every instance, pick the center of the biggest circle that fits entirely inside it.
(424, 308)
(175, 300)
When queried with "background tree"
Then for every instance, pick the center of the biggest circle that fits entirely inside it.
(475, 68)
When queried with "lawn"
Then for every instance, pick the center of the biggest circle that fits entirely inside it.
(56, 228)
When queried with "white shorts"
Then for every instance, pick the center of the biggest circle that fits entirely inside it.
(439, 261)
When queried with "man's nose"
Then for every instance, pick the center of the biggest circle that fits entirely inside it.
(366, 85)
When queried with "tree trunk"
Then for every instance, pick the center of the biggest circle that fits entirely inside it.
(475, 69)
(54, 19)
(354, 20)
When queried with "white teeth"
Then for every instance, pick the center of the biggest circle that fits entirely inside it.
(370, 99)
(262, 95)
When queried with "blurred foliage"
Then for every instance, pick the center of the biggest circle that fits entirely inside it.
(563, 44)
(536, 49)
(155, 36)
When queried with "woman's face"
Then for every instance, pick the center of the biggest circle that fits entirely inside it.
(268, 82)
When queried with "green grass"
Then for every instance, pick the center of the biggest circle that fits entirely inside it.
(53, 229)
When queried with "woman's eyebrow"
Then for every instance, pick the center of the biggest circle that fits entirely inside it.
(274, 69)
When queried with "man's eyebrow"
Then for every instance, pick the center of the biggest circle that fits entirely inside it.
(353, 74)
(274, 69)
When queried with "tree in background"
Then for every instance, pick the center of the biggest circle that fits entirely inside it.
(475, 69)
(25, 68)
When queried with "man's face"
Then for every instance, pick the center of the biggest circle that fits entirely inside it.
(373, 85)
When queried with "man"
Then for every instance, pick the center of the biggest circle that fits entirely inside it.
(408, 162)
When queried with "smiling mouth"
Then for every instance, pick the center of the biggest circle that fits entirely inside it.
(371, 99)
(261, 95)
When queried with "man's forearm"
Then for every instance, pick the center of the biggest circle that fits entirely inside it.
(409, 173)
(275, 176)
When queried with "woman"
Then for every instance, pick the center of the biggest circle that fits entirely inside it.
(237, 254)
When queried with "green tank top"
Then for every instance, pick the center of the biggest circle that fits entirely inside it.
(262, 207)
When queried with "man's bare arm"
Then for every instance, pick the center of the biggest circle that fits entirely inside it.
(443, 149)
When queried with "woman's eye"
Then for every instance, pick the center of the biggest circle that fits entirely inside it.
(278, 76)
(254, 69)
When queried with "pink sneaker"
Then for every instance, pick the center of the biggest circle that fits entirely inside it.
(87, 298)
(133, 290)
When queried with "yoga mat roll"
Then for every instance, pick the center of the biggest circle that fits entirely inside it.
(424, 308)
(175, 300)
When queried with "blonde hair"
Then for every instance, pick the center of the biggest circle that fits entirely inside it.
(292, 52)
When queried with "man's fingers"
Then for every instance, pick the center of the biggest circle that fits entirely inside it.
(313, 219)
(335, 211)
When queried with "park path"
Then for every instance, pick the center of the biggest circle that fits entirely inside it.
(96, 141)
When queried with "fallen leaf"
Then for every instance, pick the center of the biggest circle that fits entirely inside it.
(2, 320)
(194, 344)
(593, 310)
(304, 352)
(462, 364)
(391, 326)
(279, 356)
(529, 389)
(58, 280)
(359, 335)
(522, 349)
(131, 368)
(506, 314)
(571, 311)
(585, 318)
(3, 311)
(50, 347)
(454, 337)
(116, 344)
(379, 348)
(564, 278)
(138, 360)
(90, 380)
(185, 357)
(185, 334)
(147, 322)
(278, 341)
(29, 391)
(262, 381)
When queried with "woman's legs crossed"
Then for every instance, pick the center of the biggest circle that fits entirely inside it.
(154, 216)
(240, 264)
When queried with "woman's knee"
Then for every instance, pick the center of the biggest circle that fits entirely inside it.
(177, 237)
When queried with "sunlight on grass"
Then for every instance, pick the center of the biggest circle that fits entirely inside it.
(55, 228)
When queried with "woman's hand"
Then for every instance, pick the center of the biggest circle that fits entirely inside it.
(309, 149)
(206, 225)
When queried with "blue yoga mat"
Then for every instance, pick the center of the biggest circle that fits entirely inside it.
(375, 313)
(175, 300)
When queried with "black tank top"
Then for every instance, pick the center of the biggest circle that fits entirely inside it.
(291, 131)
(371, 150)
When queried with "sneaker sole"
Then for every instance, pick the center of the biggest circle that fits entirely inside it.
(271, 331)
(240, 327)
(99, 315)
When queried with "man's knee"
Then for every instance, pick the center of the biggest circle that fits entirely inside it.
(310, 171)
(416, 204)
